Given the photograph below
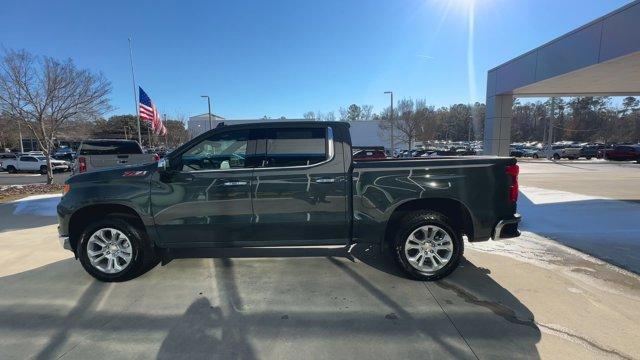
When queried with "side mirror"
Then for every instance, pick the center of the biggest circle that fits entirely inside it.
(163, 164)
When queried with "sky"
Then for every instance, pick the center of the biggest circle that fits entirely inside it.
(277, 58)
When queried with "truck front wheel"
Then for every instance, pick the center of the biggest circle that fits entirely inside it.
(426, 246)
(113, 250)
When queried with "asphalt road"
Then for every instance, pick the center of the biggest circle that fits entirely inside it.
(524, 298)
(31, 178)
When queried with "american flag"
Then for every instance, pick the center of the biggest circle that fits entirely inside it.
(149, 112)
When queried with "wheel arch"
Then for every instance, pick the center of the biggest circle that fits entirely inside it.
(456, 211)
(87, 214)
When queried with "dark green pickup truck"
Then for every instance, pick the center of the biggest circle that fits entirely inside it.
(286, 184)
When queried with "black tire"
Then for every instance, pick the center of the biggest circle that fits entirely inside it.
(556, 157)
(535, 156)
(588, 157)
(43, 169)
(408, 225)
(143, 255)
(11, 169)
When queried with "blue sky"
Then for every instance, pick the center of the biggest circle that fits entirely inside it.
(283, 58)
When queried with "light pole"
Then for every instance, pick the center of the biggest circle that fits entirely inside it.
(391, 120)
(209, 104)
(550, 133)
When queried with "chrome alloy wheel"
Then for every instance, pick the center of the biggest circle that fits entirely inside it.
(428, 248)
(109, 250)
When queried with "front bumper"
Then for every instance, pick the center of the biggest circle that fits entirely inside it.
(508, 228)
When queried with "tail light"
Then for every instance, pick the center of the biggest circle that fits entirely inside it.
(82, 164)
(156, 157)
(513, 171)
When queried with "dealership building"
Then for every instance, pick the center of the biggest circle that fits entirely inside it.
(601, 58)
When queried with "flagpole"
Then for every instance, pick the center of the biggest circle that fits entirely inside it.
(135, 95)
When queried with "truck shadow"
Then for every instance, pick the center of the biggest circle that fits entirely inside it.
(317, 302)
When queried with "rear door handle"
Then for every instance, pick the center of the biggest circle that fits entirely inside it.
(234, 183)
(325, 180)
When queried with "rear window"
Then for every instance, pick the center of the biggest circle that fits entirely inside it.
(109, 148)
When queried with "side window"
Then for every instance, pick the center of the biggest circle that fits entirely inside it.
(295, 147)
(219, 152)
(28, 159)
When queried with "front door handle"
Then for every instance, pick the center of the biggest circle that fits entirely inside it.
(234, 183)
(325, 180)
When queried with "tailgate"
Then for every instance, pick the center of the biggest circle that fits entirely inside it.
(106, 161)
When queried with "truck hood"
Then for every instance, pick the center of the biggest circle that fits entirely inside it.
(119, 173)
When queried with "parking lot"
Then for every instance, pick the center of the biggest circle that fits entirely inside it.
(523, 298)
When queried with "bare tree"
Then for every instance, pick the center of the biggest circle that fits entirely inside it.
(366, 112)
(331, 116)
(408, 118)
(44, 93)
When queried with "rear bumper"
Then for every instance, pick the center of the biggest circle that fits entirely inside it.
(507, 228)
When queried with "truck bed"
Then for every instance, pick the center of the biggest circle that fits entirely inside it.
(479, 183)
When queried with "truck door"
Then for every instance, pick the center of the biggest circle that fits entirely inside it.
(205, 198)
(299, 188)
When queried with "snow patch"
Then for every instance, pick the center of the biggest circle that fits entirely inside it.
(40, 205)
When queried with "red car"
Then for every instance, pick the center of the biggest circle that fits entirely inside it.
(622, 153)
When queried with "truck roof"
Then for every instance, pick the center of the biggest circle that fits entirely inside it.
(285, 123)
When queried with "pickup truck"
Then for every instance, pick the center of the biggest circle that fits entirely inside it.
(286, 184)
(98, 154)
(32, 163)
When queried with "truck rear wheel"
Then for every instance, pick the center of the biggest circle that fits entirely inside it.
(43, 169)
(113, 250)
(426, 246)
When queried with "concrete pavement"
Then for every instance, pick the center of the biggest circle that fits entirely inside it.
(609, 179)
(522, 298)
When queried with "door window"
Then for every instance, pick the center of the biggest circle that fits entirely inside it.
(295, 147)
(219, 152)
(28, 159)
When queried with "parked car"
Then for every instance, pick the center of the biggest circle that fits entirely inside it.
(286, 184)
(98, 154)
(571, 152)
(590, 151)
(64, 153)
(515, 152)
(6, 156)
(32, 163)
(622, 153)
(555, 152)
(529, 152)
